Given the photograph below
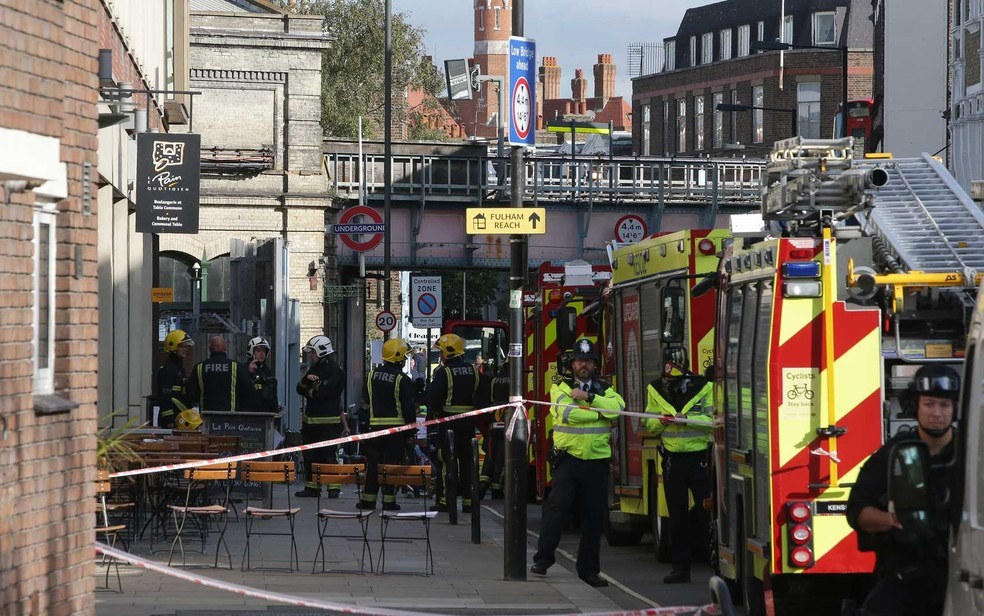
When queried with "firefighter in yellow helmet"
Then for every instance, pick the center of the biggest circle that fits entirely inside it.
(389, 395)
(452, 391)
(684, 403)
(171, 378)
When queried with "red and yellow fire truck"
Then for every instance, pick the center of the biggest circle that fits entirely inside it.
(852, 277)
(654, 319)
(560, 309)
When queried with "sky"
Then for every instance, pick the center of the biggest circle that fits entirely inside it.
(574, 31)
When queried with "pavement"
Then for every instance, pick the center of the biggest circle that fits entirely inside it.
(468, 577)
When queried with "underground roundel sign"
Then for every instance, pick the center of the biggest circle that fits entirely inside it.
(363, 234)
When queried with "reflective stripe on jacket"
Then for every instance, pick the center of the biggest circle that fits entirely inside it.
(680, 437)
(580, 430)
(453, 388)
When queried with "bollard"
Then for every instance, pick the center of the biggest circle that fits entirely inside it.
(451, 480)
(476, 507)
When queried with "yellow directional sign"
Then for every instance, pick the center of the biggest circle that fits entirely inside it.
(506, 220)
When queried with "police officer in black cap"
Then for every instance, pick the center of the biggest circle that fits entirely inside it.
(910, 569)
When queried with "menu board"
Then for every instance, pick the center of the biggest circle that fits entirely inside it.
(255, 432)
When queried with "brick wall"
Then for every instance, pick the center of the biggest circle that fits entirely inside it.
(742, 74)
(48, 52)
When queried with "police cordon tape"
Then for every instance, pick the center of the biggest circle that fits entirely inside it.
(346, 608)
(255, 455)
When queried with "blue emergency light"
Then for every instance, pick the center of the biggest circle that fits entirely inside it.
(801, 269)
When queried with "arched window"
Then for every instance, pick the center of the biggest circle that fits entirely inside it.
(174, 274)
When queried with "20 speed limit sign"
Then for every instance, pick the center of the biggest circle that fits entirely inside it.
(385, 320)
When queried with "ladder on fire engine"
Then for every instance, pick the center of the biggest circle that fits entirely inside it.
(925, 218)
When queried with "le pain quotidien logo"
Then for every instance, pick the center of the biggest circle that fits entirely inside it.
(168, 158)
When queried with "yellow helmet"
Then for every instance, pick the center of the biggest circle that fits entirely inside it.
(188, 419)
(450, 345)
(176, 339)
(395, 351)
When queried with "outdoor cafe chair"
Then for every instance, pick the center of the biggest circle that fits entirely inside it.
(202, 514)
(351, 474)
(272, 473)
(109, 533)
(397, 475)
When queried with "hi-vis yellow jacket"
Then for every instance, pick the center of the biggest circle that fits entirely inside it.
(582, 432)
(683, 437)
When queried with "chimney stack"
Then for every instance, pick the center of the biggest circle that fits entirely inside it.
(579, 86)
(550, 76)
(604, 78)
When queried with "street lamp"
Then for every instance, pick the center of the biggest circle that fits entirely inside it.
(740, 107)
(780, 46)
(195, 273)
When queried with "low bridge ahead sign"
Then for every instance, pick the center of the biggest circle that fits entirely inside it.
(506, 220)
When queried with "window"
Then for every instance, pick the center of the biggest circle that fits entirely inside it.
(808, 109)
(44, 301)
(481, 18)
(681, 125)
(743, 46)
(698, 123)
(732, 392)
(496, 13)
(693, 51)
(666, 128)
(645, 129)
(787, 29)
(707, 48)
(669, 50)
(726, 44)
(717, 138)
(734, 117)
(824, 29)
(761, 31)
(758, 100)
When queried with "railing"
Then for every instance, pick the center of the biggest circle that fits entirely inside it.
(556, 178)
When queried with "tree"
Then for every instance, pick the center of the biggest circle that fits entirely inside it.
(482, 288)
(353, 70)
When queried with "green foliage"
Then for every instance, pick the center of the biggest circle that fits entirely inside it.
(482, 288)
(112, 444)
(353, 70)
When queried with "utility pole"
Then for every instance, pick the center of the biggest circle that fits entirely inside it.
(517, 432)
(388, 159)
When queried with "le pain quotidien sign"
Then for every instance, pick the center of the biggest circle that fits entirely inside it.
(168, 182)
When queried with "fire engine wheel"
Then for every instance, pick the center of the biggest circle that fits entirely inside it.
(659, 525)
(621, 538)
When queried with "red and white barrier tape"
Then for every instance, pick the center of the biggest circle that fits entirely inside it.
(276, 452)
(669, 418)
(245, 591)
(255, 593)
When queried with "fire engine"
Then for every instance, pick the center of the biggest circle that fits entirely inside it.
(655, 319)
(856, 273)
(562, 307)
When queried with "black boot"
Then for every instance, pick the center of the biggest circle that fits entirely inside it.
(308, 493)
(678, 576)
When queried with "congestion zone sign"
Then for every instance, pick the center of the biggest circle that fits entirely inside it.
(370, 233)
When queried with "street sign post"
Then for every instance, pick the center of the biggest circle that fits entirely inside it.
(426, 309)
(386, 321)
(522, 89)
(370, 234)
(630, 229)
(506, 220)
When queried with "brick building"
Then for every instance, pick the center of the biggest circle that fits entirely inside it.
(258, 69)
(710, 61)
(492, 29)
(48, 132)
